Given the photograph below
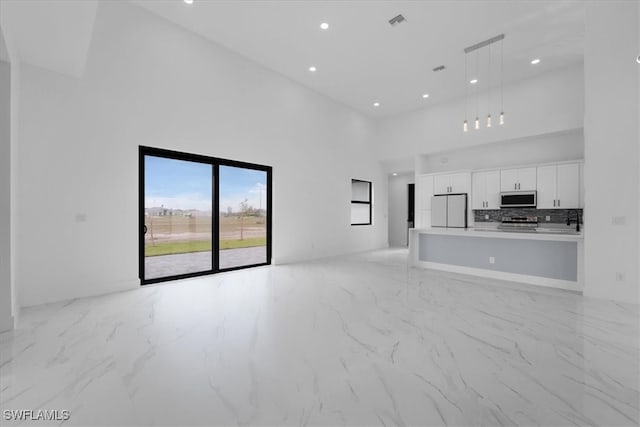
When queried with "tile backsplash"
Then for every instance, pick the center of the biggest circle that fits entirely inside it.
(556, 216)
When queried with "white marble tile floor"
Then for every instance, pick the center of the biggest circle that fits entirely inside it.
(354, 340)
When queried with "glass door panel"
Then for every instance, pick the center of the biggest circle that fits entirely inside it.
(243, 217)
(177, 217)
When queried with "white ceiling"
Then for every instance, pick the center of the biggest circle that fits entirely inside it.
(53, 34)
(362, 59)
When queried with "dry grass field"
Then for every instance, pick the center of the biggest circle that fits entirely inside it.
(183, 234)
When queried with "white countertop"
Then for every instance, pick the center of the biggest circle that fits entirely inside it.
(493, 232)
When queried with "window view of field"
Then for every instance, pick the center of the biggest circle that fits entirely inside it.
(243, 218)
(179, 220)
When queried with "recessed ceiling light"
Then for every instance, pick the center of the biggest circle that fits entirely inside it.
(312, 69)
(376, 104)
(188, 1)
(425, 95)
(324, 26)
(535, 61)
(638, 59)
(394, 174)
(474, 81)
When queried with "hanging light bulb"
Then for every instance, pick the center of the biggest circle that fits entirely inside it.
(502, 82)
(477, 78)
(489, 88)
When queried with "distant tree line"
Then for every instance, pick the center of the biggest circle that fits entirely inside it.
(245, 210)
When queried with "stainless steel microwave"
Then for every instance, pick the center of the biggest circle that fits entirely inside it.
(519, 199)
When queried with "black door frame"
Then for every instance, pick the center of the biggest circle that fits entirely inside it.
(215, 163)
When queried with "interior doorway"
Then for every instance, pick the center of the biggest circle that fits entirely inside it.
(401, 199)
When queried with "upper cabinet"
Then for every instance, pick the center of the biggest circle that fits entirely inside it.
(547, 177)
(568, 186)
(559, 186)
(451, 183)
(520, 179)
(582, 185)
(485, 192)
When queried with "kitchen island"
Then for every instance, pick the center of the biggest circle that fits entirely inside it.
(552, 257)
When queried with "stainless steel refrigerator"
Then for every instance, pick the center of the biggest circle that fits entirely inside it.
(449, 210)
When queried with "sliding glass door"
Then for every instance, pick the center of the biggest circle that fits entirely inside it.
(178, 217)
(200, 215)
(243, 221)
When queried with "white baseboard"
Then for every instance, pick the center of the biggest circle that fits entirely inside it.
(512, 277)
(8, 326)
(92, 290)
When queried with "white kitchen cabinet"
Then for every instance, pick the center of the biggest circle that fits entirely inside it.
(559, 186)
(581, 185)
(508, 179)
(451, 183)
(527, 179)
(547, 177)
(518, 179)
(492, 189)
(568, 186)
(460, 182)
(441, 184)
(485, 193)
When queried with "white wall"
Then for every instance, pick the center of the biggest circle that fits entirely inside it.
(611, 149)
(15, 219)
(9, 308)
(537, 149)
(6, 319)
(550, 103)
(148, 82)
(398, 208)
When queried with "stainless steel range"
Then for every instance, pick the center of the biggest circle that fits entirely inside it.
(519, 223)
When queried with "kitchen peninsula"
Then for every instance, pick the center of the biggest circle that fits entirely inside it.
(548, 257)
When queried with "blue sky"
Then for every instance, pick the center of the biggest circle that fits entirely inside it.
(179, 184)
(170, 177)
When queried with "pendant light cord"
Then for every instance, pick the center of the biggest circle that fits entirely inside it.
(466, 86)
(489, 84)
(501, 76)
(477, 83)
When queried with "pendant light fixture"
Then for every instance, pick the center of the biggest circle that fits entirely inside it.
(477, 125)
(489, 90)
(465, 125)
(501, 81)
(476, 79)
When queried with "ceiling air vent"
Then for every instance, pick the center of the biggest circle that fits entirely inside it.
(397, 20)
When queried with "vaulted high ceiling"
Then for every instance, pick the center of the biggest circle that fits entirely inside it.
(360, 59)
